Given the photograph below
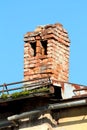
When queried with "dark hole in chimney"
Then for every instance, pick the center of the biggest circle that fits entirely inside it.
(44, 47)
(33, 48)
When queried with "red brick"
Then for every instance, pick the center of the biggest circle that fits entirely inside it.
(56, 62)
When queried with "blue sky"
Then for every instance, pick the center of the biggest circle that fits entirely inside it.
(20, 16)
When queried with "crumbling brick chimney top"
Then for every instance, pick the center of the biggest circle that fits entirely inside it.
(46, 53)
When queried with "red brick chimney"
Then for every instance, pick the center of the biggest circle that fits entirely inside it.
(46, 53)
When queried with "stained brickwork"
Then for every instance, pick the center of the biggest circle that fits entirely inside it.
(46, 53)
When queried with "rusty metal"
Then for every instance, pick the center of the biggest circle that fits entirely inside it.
(31, 84)
(5, 86)
(13, 83)
(80, 89)
(29, 87)
(68, 90)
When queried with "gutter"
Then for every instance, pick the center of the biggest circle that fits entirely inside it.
(6, 123)
(68, 104)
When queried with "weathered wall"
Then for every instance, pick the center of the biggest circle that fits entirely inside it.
(73, 119)
(46, 50)
(69, 119)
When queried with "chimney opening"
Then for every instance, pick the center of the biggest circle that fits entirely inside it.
(33, 49)
(44, 47)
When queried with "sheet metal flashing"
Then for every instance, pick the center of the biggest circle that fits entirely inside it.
(71, 90)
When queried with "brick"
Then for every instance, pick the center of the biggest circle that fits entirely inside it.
(55, 62)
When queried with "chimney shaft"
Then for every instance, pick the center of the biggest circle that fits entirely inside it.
(46, 53)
